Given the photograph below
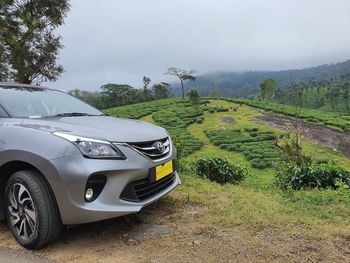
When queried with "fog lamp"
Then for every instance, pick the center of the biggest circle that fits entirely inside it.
(89, 194)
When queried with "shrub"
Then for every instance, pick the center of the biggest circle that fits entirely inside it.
(271, 154)
(194, 96)
(251, 129)
(221, 109)
(266, 137)
(199, 120)
(266, 132)
(253, 134)
(313, 176)
(259, 165)
(219, 170)
(252, 156)
(253, 145)
(224, 146)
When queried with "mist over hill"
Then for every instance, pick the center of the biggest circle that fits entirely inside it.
(243, 84)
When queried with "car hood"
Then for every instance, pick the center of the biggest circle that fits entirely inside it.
(100, 127)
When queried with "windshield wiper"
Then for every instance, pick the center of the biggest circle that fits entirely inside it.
(70, 114)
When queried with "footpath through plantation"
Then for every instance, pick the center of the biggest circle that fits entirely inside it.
(245, 209)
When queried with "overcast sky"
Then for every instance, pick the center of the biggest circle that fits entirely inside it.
(120, 41)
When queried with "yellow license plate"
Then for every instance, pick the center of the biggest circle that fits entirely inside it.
(164, 170)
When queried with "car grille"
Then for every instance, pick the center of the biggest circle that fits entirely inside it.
(143, 189)
(151, 151)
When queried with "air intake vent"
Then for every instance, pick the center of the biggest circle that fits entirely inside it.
(155, 150)
(143, 189)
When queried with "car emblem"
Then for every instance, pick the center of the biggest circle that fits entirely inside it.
(159, 146)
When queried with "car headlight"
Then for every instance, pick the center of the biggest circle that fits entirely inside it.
(93, 148)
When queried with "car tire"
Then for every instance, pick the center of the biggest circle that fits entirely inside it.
(31, 210)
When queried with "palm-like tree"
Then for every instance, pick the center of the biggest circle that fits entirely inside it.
(183, 75)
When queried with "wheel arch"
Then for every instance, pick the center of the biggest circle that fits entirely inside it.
(11, 167)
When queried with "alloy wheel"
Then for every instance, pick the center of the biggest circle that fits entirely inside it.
(22, 211)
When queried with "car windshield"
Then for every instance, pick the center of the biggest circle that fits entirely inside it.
(24, 102)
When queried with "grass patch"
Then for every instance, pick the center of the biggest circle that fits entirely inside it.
(255, 202)
(317, 214)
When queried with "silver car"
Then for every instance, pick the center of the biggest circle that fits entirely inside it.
(63, 162)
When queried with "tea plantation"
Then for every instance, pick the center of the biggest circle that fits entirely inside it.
(139, 110)
(337, 120)
(173, 114)
(252, 199)
(175, 118)
(257, 146)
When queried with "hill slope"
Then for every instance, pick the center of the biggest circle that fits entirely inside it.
(243, 84)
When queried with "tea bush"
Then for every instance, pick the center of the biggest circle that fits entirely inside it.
(219, 170)
(312, 176)
(332, 119)
(217, 109)
(257, 146)
(175, 118)
(173, 114)
(139, 110)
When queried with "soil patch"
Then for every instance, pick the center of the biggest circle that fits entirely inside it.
(164, 234)
(11, 255)
(146, 231)
(228, 120)
(316, 133)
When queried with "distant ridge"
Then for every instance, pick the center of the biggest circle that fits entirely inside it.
(243, 84)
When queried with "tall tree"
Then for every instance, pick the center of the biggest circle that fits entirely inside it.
(182, 75)
(161, 91)
(346, 94)
(332, 95)
(280, 96)
(146, 82)
(115, 95)
(268, 88)
(28, 45)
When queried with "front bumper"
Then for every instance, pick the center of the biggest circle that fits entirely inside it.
(73, 172)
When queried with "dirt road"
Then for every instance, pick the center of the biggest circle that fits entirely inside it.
(163, 233)
(11, 255)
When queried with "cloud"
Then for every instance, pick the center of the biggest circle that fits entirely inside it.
(120, 41)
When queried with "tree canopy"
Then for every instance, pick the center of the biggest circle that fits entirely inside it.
(182, 75)
(267, 89)
(28, 45)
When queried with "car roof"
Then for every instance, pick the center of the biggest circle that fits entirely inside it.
(12, 84)
(28, 86)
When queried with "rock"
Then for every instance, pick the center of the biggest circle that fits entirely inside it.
(197, 242)
(131, 241)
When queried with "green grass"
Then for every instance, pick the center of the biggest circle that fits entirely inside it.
(315, 214)
(256, 202)
(338, 120)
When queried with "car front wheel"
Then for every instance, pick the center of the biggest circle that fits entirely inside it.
(32, 213)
